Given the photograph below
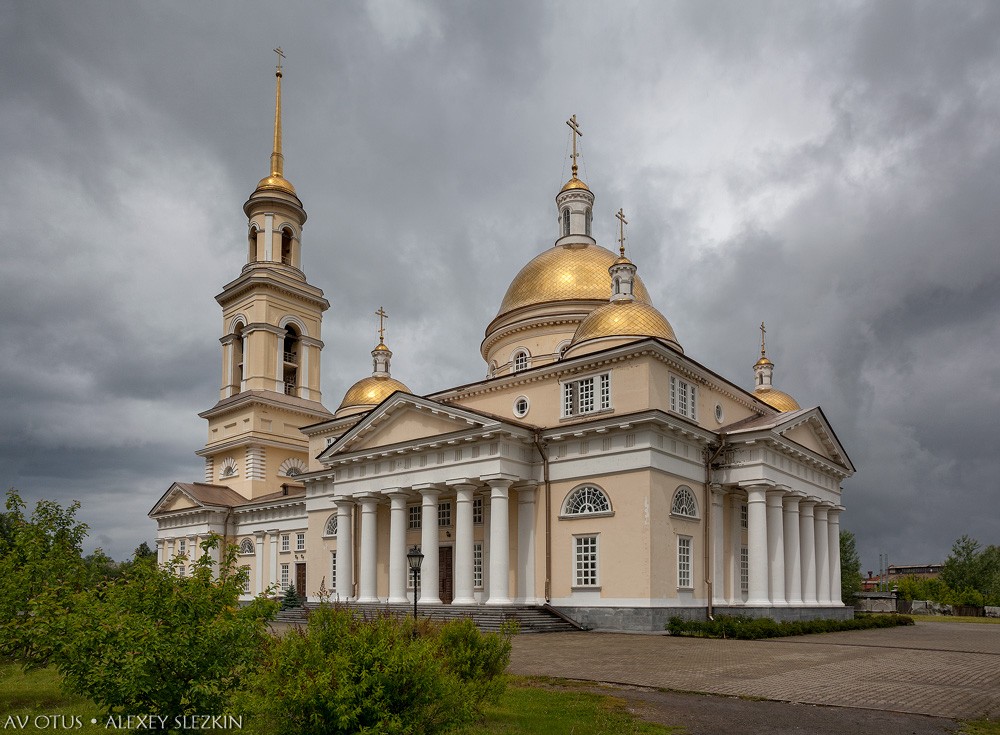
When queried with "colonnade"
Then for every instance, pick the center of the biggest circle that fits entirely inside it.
(792, 548)
(496, 542)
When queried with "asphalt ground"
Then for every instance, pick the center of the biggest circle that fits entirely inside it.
(916, 679)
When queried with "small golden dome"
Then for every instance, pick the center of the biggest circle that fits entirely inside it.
(380, 347)
(763, 361)
(574, 183)
(276, 182)
(777, 399)
(371, 391)
(625, 319)
(565, 273)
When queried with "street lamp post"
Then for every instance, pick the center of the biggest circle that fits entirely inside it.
(415, 558)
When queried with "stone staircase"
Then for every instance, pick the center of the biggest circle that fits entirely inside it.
(530, 618)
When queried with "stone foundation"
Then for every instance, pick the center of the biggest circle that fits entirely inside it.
(654, 619)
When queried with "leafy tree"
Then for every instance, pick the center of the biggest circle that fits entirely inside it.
(41, 567)
(963, 568)
(157, 643)
(142, 551)
(850, 568)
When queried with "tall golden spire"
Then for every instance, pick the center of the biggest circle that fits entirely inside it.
(763, 352)
(575, 182)
(277, 178)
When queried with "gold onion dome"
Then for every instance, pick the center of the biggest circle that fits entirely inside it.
(574, 183)
(625, 319)
(565, 273)
(777, 399)
(371, 391)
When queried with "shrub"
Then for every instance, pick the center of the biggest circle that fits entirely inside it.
(746, 628)
(348, 674)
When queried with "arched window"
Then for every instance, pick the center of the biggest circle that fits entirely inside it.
(246, 547)
(520, 361)
(565, 222)
(291, 360)
(291, 467)
(586, 500)
(492, 369)
(684, 503)
(228, 468)
(286, 246)
(238, 359)
(252, 245)
(331, 526)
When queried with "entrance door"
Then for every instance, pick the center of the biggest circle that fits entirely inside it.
(446, 590)
(300, 579)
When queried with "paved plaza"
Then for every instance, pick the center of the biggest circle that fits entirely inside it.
(947, 670)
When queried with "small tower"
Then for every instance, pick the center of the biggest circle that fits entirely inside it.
(371, 391)
(763, 368)
(622, 270)
(575, 202)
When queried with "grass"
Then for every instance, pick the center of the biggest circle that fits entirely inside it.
(981, 727)
(544, 705)
(528, 705)
(954, 619)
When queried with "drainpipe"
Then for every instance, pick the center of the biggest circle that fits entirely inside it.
(540, 446)
(710, 457)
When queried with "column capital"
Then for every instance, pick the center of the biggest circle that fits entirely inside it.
(369, 502)
(462, 481)
(396, 492)
(259, 534)
(345, 500)
(274, 531)
(791, 500)
(499, 480)
(749, 485)
(522, 485)
(428, 489)
(775, 495)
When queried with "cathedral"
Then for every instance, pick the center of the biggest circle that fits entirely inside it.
(597, 469)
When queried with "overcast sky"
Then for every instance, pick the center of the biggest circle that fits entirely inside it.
(832, 169)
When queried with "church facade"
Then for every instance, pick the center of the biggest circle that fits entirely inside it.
(597, 469)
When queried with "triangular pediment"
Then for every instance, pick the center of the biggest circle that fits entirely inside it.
(185, 496)
(806, 429)
(404, 419)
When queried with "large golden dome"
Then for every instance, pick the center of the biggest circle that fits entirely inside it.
(565, 273)
(371, 391)
(625, 319)
(777, 399)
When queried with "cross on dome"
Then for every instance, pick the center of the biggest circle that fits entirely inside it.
(382, 316)
(575, 127)
(620, 214)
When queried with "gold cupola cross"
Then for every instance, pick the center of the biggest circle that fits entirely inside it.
(576, 132)
(621, 231)
(382, 316)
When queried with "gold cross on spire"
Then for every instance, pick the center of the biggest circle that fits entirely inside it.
(382, 316)
(621, 231)
(576, 132)
(762, 331)
(281, 55)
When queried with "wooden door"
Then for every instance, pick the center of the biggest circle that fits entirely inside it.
(300, 579)
(446, 589)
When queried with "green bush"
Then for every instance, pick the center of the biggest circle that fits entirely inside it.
(746, 628)
(349, 674)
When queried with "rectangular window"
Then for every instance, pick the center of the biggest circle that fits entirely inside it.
(246, 580)
(300, 542)
(409, 578)
(477, 566)
(683, 397)
(477, 511)
(587, 395)
(683, 561)
(414, 517)
(585, 558)
(444, 514)
(181, 547)
(180, 571)
(284, 543)
(744, 520)
(744, 569)
(333, 571)
(284, 577)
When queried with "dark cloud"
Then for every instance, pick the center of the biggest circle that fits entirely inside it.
(831, 171)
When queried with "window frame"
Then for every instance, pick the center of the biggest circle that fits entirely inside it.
(478, 512)
(414, 517)
(334, 521)
(684, 490)
(444, 514)
(586, 551)
(300, 541)
(253, 548)
(683, 397)
(685, 566)
(566, 514)
(586, 396)
(284, 576)
(286, 544)
(477, 565)
(520, 360)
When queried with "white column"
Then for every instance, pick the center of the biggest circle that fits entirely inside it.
(259, 562)
(486, 552)
(793, 550)
(757, 543)
(464, 593)
(499, 542)
(822, 555)
(368, 568)
(807, 544)
(736, 544)
(345, 548)
(430, 593)
(718, 546)
(526, 593)
(273, 561)
(833, 526)
(160, 552)
(398, 566)
(776, 547)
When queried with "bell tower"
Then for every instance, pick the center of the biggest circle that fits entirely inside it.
(271, 344)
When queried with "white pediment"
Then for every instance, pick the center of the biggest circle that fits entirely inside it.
(406, 419)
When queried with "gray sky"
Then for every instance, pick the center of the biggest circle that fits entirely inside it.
(832, 169)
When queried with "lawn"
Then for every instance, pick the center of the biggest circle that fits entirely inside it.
(954, 619)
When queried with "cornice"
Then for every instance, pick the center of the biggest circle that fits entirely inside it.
(262, 398)
(258, 281)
